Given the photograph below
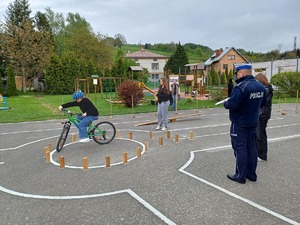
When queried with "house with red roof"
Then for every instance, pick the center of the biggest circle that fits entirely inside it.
(221, 60)
(153, 62)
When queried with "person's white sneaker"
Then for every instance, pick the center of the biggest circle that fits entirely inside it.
(163, 128)
(259, 159)
(84, 140)
(157, 128)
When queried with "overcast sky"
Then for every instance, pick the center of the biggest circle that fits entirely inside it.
(256, 25)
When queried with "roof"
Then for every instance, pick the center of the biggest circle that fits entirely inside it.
(136, 68)
(213, 58)
(200, 66)
(144, 54)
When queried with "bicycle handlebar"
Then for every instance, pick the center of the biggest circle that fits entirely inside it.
(70, 113)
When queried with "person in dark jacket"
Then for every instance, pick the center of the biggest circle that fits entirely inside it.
(163, 96)
(265, 115)
(230, 87)
(244, 108)
(89, 113)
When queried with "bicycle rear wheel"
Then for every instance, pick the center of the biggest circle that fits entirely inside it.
(104, 132)
(63, 137)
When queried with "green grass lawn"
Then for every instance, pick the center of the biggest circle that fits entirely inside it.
(35, 107)
(44, 107)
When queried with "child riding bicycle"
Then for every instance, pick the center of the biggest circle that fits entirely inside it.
(89, 113)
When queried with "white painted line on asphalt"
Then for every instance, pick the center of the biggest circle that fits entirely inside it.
(72, 197)
(29, 131)
(192, 156)
(100, 166)
(29, 143)
(1, 163)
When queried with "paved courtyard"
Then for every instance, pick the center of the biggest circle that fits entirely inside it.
(173, 183)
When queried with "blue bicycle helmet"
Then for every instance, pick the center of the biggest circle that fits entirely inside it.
(78, 94)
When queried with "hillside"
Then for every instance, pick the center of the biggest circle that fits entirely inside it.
(199, 53)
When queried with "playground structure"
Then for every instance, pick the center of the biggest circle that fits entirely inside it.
(3, 100)
(101, 84)
(142, 85)
(193, 79)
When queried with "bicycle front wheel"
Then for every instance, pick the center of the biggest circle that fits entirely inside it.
(104, 132)
(63, 137)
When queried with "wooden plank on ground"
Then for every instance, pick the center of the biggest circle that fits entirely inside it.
(171, 119)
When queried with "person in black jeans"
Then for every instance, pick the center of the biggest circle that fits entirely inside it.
(265, 115)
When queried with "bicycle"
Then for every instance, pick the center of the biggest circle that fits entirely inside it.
(102, 133)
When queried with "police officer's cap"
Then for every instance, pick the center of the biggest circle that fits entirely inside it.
(243, 67)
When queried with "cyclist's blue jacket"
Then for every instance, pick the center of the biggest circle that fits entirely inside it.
(245, 101)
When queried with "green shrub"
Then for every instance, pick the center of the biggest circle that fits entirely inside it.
(218, 95)
(287, 83)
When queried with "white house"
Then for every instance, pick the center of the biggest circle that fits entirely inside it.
(271, 68)
(155, 63)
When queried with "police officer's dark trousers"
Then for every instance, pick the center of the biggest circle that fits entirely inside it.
(244, 146)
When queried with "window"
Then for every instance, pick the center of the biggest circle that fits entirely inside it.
(154, 59)
(225, 66)
(231, 57)
(155, 66)
(155, 76)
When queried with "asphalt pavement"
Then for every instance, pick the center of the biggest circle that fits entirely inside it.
(172, 182)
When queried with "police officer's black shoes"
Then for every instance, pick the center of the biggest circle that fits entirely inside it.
(251, 179)
(233, 178)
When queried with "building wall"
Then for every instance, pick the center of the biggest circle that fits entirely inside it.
(278, 66)
(147, 63)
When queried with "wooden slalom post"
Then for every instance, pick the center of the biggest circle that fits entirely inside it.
(107, 161)
(130, 135)
(118, 134)
(125, 157)
(139, 152)
(62, 162)
(47, 156)
(176, 138)
(191, 136)
(150, 135)
(85, 163)
(161, 141)
(168, 134)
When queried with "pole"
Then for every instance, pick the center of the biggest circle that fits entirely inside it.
(271, 67)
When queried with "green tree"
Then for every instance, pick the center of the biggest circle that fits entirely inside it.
(18, 12)
(27, 49)
(288, 82)
(11, 89)
(177, 61)
(223, 78)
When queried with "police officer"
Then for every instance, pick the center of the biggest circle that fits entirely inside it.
(244, 106)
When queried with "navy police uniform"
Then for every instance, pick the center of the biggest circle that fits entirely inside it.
(244, 106)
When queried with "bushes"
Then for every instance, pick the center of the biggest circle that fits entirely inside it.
(288, 82)
(128, 90)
